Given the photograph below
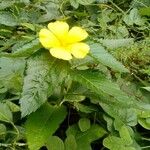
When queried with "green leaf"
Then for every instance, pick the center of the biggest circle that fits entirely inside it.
(116, 43)
(73, 98)
(13, 107)
(2, 130)
(6, 4)
(70, 143)
(74, 3)
(116, 143)
(27, 49)
(101, 86)
(37, 82)
(6, 18)
(125, 135)
(144, 123)
(84, 108)
(84, 124)
(54, 143)
(84, 139)
(101, 55)
(42, 124)
(109, 121)
(11, 73)
(133, 18)
(5, 113)
(85, 2)
(113, 143)
(145, 11)
(52, 11)
(122, 116)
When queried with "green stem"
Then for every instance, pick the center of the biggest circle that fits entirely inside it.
(9, 145)
(145, 147)
(146, 139)
(17, 131)
(117, 7)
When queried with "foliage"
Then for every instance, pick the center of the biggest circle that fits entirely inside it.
(99, 102)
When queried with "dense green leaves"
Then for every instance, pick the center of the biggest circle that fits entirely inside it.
(52, 104)
(42, 124)
(84, 139)
(123, 142)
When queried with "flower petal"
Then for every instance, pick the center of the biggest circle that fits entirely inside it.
(79, 50)
(59, 28)
(61, 53)
(48, 39)
(76, 34)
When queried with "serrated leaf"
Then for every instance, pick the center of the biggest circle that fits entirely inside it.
(52, 11)
(27, 49)
(11, 73)
(6, 18)
(97, 83)
(42, 124)
(6, 4)
(101, 55)
(133, 18)
(116, 43)
(5, 113)
(54, 143)
(37, 83)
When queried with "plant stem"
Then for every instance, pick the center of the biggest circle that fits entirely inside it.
(17, 131)
(145, 147)
(117, 7)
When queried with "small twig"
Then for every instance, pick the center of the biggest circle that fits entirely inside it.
(145, 147)
(117, 7)
(146, 139)
(17, 131)
(9, 145)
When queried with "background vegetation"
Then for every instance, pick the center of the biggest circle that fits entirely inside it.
(97, 103)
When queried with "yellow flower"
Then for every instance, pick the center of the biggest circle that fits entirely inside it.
(62, 42)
